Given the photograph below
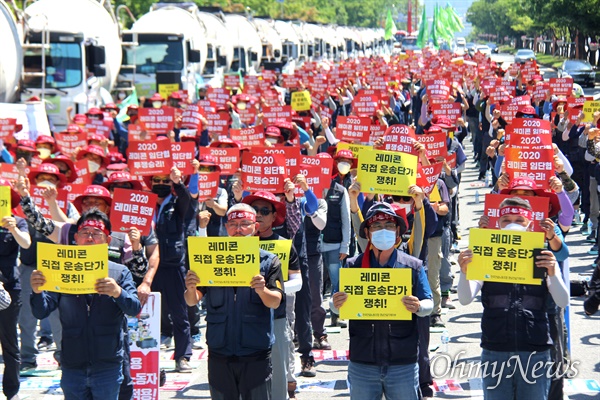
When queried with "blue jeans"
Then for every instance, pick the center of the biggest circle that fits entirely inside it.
(331, 259)
(516, 381)
(370, 382)
(89, 384)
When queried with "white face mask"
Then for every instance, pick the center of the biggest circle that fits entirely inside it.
(47, 184)
(241, 105)
(93, 166)
(343, 167)
(407, 207)
(272, 140)
(515, 227)
(121, 95)
(157, 104)
(44, 153)
(383, 239)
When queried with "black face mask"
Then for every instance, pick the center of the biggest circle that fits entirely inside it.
(161, 190)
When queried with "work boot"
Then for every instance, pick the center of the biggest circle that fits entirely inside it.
(321, 343)
(308, 367)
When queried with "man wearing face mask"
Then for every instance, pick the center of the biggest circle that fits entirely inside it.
(171, 211)
(26, 150)
(46, 146)
(383, 353)
(96, 159)
(515, 320)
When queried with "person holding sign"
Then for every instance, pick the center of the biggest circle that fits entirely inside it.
(14, 235)
(93, 324)
(239, 320)
(271, 212)
(383, 353)
(515, 319)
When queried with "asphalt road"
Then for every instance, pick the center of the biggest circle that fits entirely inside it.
(463, 325)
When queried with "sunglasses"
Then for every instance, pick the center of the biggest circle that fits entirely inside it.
(264, 211)
(405, 198)
(158, 180)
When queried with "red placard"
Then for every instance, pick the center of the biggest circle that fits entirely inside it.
(291, 153)
(219, 96)
(510, 108)
(135, 132)
(68, 142)
(149, 157)
(252, 136)
(157, 120)
(183, 153)
(540, 91)
(263, 172)
(208, 185)
(191, 117)
(145, 367)
(248, 115)
(290, 81)
(84, 177)
(7, 127)
(206, 107)
(540, 206)
(534, 163)
(400, 138)
(561, 86)
(366, 102)
(438, 89)
(435, 144)
(317, 172)
(74, 190)
(35, 192)
(232, 81)
(575, 107)
(451, 110)
(451, 160)
(10, 172)
(526, 132)
(101, 127)
(528, 70)
(353, 129)
(427, 176)
(132, 208)
(272, 114)
(228, 158)
(218, 123)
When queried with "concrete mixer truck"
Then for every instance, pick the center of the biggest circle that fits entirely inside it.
(165, 50)
(219, 46)
(71, 55)
(11, 62)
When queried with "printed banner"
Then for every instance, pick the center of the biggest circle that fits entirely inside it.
(208, 185)
(526, 132)
(272, 114)
(301, 100)
(503, 256)
(353, 129)
(427, 177)
(228, 158)
(224, 261)
(149, 158)
(251, 136)
(132, 208)
(281, 248)
(435, 144)
(589, 108)
(7, 128)
(5, 202)
(561, 86)
(263, 172)
(537, 164)
(386, 172)
(317, 172)
(366, 102)
(69, 142)
(157, 120)
(72, 269)
(144, 336)
(438, 89)
(182, 154)
(400, 138)
(375, 293)
(451, 110)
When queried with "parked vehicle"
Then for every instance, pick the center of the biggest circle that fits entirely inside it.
(581, 71)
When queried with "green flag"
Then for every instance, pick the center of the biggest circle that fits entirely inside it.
(422, 38)
(132, 99)
(443, 27)
(390, 27)
(434, 32)
(455, 18)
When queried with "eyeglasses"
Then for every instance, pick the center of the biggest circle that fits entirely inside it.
(242, 225)
(405, 198)
(263, 211)
(95, 234)
(158, 180)
(377, 226)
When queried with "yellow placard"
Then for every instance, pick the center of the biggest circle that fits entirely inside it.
(282, 249)
(165, 89)
(355, 148)
(301, 100)
(503, 256)
(72, 269)
(435, 194)
(224, 261)
(375, 293)
(589, 107)
(145, 89)
(386, 172)
(5, 203)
